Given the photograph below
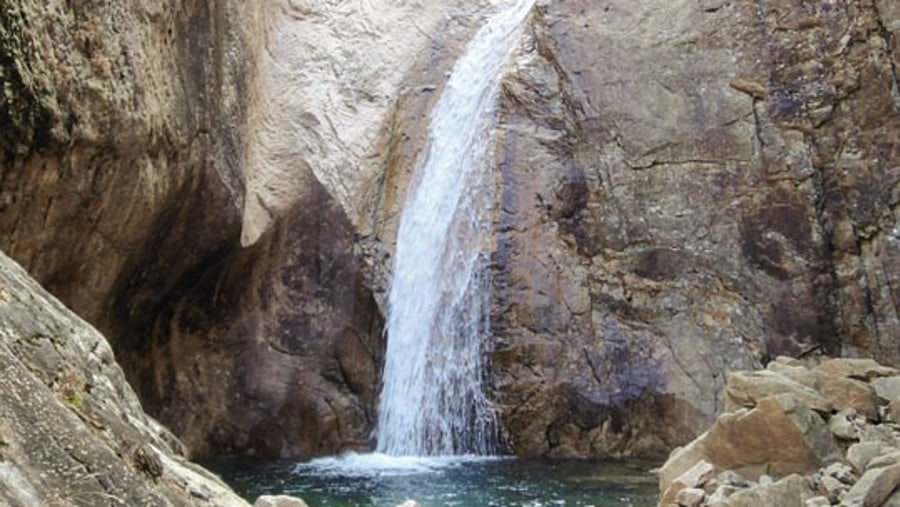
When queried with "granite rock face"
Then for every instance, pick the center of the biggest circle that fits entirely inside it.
(687, 188)
(72, 432)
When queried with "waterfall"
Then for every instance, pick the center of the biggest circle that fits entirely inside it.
(433, 401)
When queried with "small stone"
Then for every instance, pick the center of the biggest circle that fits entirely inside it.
(695, 477)
(720, 495)
(818, 501)
(748, 388)
(847, 393)
(840, 472)
(796, 373)
(888, 388)
(711, 485)
(887, 458)
(788, 361)
(690, 497)
(842, 425)
(859, 455)
(789, 491)
(876, 484)
(766, 480)
(833, 487)
(732, 478)
(862, 369)
(279, 501)
(883, 486)
(885, 434)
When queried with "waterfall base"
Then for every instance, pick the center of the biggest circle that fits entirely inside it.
(381, 480)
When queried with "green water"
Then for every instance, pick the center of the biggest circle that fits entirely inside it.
(382, 481)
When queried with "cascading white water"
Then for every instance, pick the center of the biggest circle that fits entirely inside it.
(433, 402)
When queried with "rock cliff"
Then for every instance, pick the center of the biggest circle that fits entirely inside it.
(688, 188)
(131, 135)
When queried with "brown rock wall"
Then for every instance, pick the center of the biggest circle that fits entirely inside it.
(715, 183)
(275, 349)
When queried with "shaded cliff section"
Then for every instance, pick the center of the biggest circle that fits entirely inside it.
(123, 161)
(689, 188)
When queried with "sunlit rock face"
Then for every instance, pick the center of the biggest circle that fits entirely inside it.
(328, 84)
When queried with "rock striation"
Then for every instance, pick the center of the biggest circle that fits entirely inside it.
(779, 450)
(72, 432)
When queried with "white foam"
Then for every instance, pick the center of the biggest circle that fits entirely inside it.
(383, 465)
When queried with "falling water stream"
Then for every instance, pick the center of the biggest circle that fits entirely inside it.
(432, 401)
(436, 429)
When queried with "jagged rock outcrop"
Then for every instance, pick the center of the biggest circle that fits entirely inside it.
(826, 457)
(72, 432)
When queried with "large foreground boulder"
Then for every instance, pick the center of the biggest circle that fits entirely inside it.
(72, 432)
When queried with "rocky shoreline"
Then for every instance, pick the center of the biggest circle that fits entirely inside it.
(796, 434)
